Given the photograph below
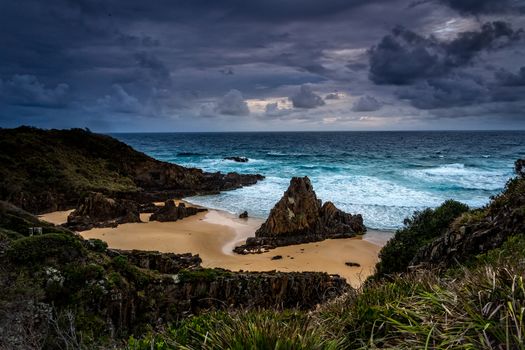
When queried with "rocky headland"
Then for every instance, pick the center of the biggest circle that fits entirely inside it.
(300, 217)
(50, 170)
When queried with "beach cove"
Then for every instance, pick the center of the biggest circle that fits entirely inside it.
(213, 235)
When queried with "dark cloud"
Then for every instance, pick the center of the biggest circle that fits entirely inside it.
(306, 98)
(233, 103)
(474, 7)
(404, 56)
(332, 96)
(506, 78)
(366, 104)
(27, 90)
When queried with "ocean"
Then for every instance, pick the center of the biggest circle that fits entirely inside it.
(385, 176)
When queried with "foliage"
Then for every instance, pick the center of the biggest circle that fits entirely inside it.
(420, 229)
(57, 246)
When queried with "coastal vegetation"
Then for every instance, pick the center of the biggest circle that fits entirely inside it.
(451, 278)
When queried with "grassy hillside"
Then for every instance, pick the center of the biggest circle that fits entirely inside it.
(46, 170)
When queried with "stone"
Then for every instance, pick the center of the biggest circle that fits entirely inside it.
(237, 159)
(277, 257)
(243, 215)
(97, 210)
(300, 217)
(352, 264)
(171, 212)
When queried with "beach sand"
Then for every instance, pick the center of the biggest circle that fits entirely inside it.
(214, 234)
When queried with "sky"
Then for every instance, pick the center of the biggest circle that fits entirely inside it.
(262, 65)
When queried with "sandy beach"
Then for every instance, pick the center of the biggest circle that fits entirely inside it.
(215, 233)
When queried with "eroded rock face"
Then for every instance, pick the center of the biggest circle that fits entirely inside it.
(171, 212)
(97, 210)
(300, 217)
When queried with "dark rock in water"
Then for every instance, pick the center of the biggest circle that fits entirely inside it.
(277, 257)
(97, 210)
(352, 264)
(171, 212)
(148, 208)
(299, 217)
(237, 159)
(243, 215)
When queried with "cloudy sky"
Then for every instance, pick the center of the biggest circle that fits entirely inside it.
(238, 65)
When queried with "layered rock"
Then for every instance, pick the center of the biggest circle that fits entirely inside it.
(171, 212)
(168, 263)
(300, 217)
(97, 210)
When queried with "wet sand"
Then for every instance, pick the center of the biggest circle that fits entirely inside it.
(214, 234)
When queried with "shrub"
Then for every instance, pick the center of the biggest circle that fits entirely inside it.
(55, 246)
(420, 229)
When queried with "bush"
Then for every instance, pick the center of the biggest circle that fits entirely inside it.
(53, 246)
(420, 229)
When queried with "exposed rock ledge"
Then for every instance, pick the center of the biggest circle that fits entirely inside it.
(97, 210)
(299, 217)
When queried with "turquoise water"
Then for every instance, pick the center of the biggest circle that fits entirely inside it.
(385, 176)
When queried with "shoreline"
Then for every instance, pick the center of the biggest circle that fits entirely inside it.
(213, 235)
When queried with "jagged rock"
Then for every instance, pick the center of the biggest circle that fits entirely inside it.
(300, 217)
(237, 159)
(97, 210)
(171, 212)
(243, 215)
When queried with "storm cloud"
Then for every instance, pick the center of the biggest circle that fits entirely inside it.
(221, 65)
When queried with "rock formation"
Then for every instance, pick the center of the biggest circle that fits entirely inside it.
(237, 159)
(299, 217)
(243, 215)
(171, 212)
(97, 210)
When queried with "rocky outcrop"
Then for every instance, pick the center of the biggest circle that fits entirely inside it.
(237, 159)
(97, 210)
(48, 170)
(168, 263)
(171, 212)
(300, 217)
(479, 231)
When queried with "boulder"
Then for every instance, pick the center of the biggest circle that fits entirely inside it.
(300, 217)
(171, 212)
(237, 159)
(97, 210)
(243, 215)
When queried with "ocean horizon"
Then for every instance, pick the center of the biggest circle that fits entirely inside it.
(383, 175)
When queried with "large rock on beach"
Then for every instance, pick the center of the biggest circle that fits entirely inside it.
(300, 217)
(97, 210)
(171, 212)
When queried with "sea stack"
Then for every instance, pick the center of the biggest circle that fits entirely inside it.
(300, 217)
